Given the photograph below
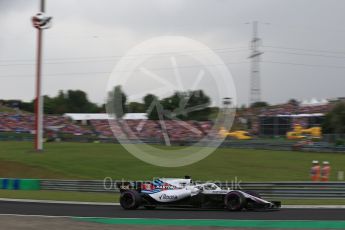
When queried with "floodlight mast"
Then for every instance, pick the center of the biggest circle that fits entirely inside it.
(40, 22)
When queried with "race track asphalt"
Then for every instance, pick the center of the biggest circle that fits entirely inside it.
(86, 210)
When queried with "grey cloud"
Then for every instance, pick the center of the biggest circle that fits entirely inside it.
(91, 28)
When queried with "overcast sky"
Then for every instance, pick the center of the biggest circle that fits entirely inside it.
(302, 41)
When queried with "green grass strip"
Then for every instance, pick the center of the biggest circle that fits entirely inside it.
(59, 195)
(293, 224)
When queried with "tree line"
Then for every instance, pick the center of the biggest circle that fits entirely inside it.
(189, 105)
(70, 101)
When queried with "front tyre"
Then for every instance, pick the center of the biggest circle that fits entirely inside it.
(130, 200)
(235, 201)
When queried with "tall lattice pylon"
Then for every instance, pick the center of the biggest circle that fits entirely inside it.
(255, 82)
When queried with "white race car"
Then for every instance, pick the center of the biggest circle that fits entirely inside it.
(185, 193)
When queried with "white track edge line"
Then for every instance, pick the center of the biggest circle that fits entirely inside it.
(57, 201)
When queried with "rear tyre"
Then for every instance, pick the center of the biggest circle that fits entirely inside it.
(235, 201)
(130, 200)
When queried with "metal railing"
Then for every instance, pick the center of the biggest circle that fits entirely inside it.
(76, 185)
(282, 190)
(297, 190)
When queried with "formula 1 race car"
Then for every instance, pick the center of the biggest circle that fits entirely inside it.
(184, 193)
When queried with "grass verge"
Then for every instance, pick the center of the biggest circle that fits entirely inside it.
(97, 161)
(60, 196)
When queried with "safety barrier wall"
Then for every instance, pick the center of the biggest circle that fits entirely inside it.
(283, 190)
(19, 184)
(286, 190)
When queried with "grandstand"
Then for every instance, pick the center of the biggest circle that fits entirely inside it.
(133, 126)
(265, 121)
(278, 119)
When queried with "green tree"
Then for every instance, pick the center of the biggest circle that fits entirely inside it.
(28, 106)
(335, 120)
(150, 102)
(198, 106)
(259, 104)
(293, 101)
(77, 101)
(148, 99)
(175, 105)
(136, 107)
(73, 101)
(117, 101)
(49, 105)
(191, 105)
(60, 103)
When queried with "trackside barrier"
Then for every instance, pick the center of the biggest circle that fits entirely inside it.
(76, 185)
(282, 190)
(19, 184)
(296, 190)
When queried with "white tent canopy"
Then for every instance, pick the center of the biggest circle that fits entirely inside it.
(103, 116)
(314, 102)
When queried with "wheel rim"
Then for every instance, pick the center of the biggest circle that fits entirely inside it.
(127, 200)
(234, 202)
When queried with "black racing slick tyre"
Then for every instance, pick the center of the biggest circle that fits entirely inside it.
(130, 200)
(235, 201)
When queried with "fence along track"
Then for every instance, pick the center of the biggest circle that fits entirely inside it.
(284, 190)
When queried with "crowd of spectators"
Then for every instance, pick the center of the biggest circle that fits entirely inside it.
(148, 129)
(16, 123)
(154, 130)
(131, 129)
(25, 123)
(102, 128)
(289, 109)
(176, 130)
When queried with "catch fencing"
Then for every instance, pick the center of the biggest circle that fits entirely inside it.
(282, 190)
